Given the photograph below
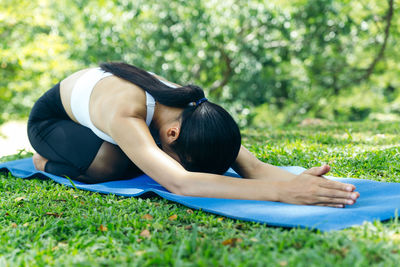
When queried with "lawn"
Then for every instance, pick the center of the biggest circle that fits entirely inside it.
(44, 223)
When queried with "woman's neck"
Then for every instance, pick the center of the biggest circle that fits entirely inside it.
(164, 115)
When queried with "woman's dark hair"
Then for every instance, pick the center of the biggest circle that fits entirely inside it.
(209, 139)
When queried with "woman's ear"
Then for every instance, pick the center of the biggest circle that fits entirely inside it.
(173, 134)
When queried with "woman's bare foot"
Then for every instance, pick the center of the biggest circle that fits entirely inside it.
(39, 162)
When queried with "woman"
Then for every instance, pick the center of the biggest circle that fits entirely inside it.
(116, 121)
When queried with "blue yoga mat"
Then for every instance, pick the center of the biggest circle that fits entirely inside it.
(378, 201)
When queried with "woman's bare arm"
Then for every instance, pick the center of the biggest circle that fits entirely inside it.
(135, 140)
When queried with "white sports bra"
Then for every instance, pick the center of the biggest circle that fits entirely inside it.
(80, 98)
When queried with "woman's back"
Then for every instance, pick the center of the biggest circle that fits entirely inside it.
(110, 96)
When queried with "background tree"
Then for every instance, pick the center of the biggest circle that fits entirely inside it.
(266, 61)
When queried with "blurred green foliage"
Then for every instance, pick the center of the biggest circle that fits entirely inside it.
(265, 61)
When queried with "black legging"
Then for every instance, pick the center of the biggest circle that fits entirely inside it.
(69, 146)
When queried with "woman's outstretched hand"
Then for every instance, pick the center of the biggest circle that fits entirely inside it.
(310, 188)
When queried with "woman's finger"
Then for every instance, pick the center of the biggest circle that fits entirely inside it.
(330, 205)
(318, 171)
(326, 183)
(334, 193)
(335, 201)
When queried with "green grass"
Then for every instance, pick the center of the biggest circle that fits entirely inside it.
(44, 223)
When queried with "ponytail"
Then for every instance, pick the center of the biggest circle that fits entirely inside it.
(174, 97)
